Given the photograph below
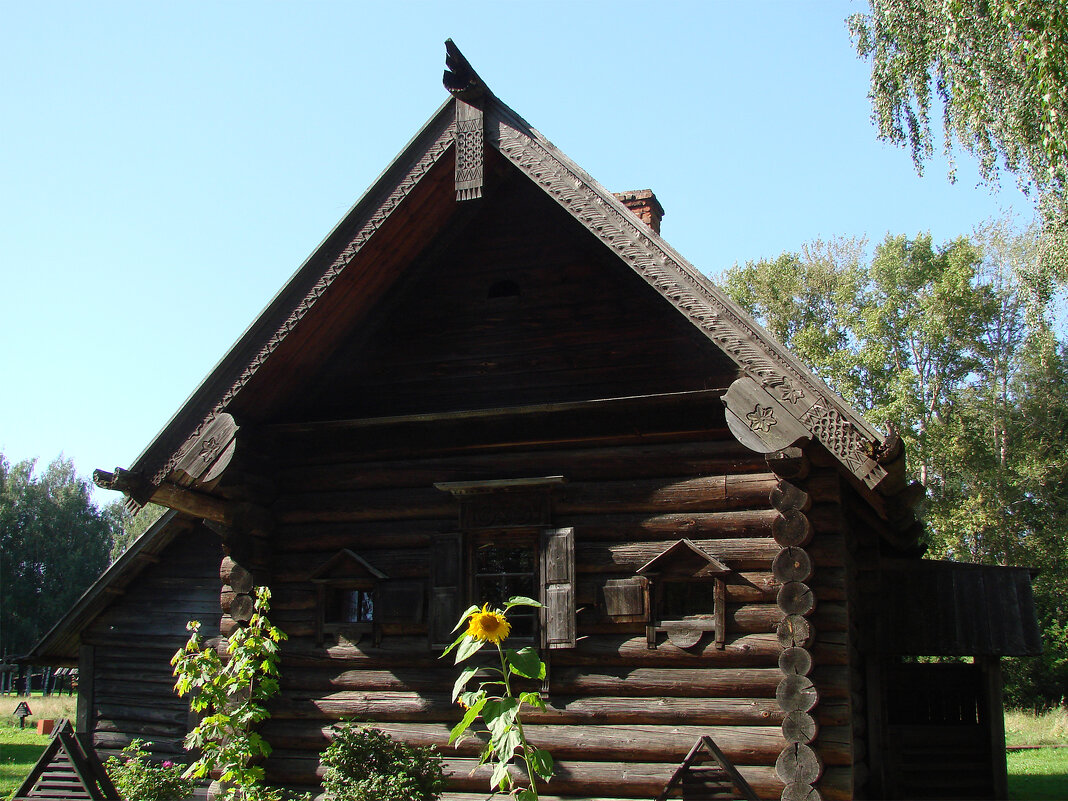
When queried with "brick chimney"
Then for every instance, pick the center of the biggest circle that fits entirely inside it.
(644, 205)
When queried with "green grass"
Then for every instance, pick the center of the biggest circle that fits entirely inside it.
(1038, 775)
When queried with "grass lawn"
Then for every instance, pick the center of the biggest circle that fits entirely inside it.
(1038, 775)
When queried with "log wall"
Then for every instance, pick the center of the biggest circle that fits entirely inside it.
(126, 683)
(621, 716)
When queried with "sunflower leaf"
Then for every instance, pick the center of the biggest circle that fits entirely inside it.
(456, 642)
(520, 600)
(463, 618)
(468, 646)
(469, 717)
(542, 763)
(525, 663)
(465, 676)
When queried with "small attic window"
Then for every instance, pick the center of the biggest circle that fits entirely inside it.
(503, 289)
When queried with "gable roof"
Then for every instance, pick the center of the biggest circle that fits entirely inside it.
(350, 264)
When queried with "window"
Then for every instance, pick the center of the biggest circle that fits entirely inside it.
(344, 605)
(502, 570)
(504, 548)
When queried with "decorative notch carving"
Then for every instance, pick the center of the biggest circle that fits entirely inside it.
(470, 151)
(347, 588)
(687, 592)
(470, 92)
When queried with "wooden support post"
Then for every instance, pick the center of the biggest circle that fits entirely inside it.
(86, 674)
(995, 714)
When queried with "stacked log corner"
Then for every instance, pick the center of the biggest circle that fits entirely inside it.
(798, 765)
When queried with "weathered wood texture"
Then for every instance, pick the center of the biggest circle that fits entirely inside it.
(132, 686)
(613, 700)
(455, 340)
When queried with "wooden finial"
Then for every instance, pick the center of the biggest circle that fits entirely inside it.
(460, 77)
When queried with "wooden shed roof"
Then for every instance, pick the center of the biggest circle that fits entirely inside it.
(414, 200)
(934, 608)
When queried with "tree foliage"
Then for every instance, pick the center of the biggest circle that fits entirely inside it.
(953, 345)
(131, 525)
(228, 693)
(999, 71)
(54, 542)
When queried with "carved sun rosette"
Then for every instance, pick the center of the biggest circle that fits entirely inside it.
(762, 418)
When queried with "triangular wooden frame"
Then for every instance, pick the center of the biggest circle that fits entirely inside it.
(322, 573)
(79, 776)
(679, 551)
(720, 758)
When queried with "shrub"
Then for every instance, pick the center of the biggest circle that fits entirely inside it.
(366, 764)
(138, 778)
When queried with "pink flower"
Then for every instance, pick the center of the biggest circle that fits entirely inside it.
(168, 764)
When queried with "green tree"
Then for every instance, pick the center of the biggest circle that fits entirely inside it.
(130, 525)
(999, 70)
(54, 542)
(954, 346)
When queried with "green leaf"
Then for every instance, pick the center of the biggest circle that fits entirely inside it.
(469, 717)
(465, 676)
(520, 600)
(526, 663)
(463, 618)
(526, 794)
(532, 699)
(468, 647)
(455, 642)
(499, 715)
(500, 777)
(542, 763)
(506, 744)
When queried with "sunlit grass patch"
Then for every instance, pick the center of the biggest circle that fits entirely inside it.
(1038, 774)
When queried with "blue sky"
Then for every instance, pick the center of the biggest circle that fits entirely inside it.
(165, 167)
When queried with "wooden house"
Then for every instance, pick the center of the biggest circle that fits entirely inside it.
(494, 377)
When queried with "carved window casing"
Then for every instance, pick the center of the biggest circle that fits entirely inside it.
(682, 594)
(347, 590)
(505, 546)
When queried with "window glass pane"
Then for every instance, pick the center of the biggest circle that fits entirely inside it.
(687, 599)
(502, 572)
(349, 606)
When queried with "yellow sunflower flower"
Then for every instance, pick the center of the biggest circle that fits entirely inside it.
(488, 625)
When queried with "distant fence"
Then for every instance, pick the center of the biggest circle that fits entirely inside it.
(16, 679)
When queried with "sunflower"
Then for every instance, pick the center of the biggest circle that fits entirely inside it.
(488, 625)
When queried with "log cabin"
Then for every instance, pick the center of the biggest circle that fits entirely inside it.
(495, 377)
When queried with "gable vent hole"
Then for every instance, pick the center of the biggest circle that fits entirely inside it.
(503, 289)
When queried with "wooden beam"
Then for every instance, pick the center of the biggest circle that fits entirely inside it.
(246, 517)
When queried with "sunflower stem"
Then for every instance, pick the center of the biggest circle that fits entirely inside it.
(518, 723)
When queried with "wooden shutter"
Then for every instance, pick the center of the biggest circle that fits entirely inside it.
(626, 600)
(446, 587)
(400, 602)
(558, 588)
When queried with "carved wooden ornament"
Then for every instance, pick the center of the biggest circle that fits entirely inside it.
(758, 421)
